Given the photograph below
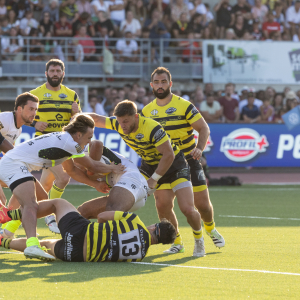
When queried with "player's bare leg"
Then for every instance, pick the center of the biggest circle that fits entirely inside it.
(47, 179)
(119, 199)
(90, 209)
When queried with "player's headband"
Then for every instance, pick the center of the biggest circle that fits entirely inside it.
(157, 233)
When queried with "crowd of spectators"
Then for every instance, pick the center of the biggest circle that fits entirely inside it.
(216, 106)
(128, 20)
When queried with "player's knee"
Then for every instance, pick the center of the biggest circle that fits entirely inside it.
(189, 211)
(163, 205)
(63, 180)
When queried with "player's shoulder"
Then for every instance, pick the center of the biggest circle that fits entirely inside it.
(149, 108)
(67, 90)
(180, 102)
(149, 123)
(40, 89)
(6, 118)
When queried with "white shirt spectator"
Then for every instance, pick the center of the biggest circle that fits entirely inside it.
(133, 27)
(6, 44)
(127, 49)
(98, 109)
(3, 10)
(99, 6)
(118, 15)
(201, 9)
(244, 102)
(26, 25)
(210, 109)
(292, 16)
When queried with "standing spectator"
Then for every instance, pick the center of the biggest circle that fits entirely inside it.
(127, 48)
(84, 19)
(197, 7)
(293, 18)
(69, 8)
(131, 24)
(240, 26)
(46, 25)
(63, 28)
(3, 8)
(259, 11)
(270, 25)
(223, 12)
(28, 23)
(210, 109)
(87, 43)
(250, 112)
(103, 21)
(177, 9)
(180, 27)
(196, 25)
(53, 9)
(13, 22)
(267, 111)
(117, 11)
(84, 6)
(230, 105)
(99, 5)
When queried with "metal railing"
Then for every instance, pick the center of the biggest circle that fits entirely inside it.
(27, 57)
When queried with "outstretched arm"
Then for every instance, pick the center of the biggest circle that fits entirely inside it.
(99, 120)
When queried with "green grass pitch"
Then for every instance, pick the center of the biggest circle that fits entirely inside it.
(260, 260)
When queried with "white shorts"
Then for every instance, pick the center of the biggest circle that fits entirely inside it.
(135, 183)
(14, 172)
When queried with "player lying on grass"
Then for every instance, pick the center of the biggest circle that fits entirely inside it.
(118, 236)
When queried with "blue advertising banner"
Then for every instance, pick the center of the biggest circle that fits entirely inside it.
(229, 145)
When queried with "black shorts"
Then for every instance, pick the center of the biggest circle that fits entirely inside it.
(197, 174)
(73, 228)
(178, 170)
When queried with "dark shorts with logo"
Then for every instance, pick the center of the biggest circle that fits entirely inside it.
(196, 170)
(178, 170)
(73, 228)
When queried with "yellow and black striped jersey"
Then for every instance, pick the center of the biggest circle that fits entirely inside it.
(176, 118)
(126, 238)
(144, 141)
(55, 107)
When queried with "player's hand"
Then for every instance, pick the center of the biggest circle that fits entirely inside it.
(75, 108)
(102, 187)
(118, 169)
(151, 183)
(41, 126)
(196, 153)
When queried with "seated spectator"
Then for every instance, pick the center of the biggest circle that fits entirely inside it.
(196, 25)
(63, 28)
(270, 25)
(103, 21)
(3, 8)
(84, 19)
(266, 111)
(28, 23)
(117, 11)
(4, 26)
(69, 8)
(192, 49)
(230, 105)
(243, 8)
(197, 7)
(230, 34)
(270, 93)
(179, 28)
(121, 94)
(210, 109)
(84, 6)
(35, 46)
(53, 10)
(259, 11)
(244, 93)
(46, 25)
(207, 33)
(278, 15)
(223, 12)
(240, 26)
(94, 106)
(208, 88)
(209, 14)
(49, 46)
(141, 93)
(277, 102)
(244, 102)
(87, 43)
(36, 6)
(293, 17)
(127, 48)
(177, 9)
(139, 10)
(12, 46)
(99, 5)
(20, 7)
(256, 32)
(131, 24)
(250, 112)
(290, 101)
(12, 20)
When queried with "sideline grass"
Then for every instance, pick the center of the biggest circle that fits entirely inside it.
(253, 244)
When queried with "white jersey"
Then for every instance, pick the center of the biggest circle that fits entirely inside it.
(46, 151)
(8, 126)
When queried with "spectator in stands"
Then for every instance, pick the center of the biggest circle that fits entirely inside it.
(192, 50)
(127, 48)
(256, 102)
(53, 9)
(12, 20)
(244, 93)
(46, 25)
(49, 46)
(131, 24)
(278, 103)
(230, 105)
(95, 106)
(209, 15)
(261, 95)
(270, 93)
(210, 109)
(241, 7)
(223, 12)
(230, 34)
(84, 6)
(240, 26)
(103, 21)
(84, 19)
(256, 32)
(63, 28)
(259, 11)
(139, 10)
(278, 15)
(196, 6)
(196, 25)
(69, 8)
(3, 8)
(36, 6)
(87, 43)
(267, 111)
(4, 26)
(12, 46)
(207, 33)
(36, 47)
(117, 11)
(20, 7)
(28, 23)
(197, 97)
(179, 28)
(121, 94)
(270, 25)
(177, 9)
(293, 18)
(291, 100)
(141, 93)
(99, 5)
(250, 112)
(208, 88)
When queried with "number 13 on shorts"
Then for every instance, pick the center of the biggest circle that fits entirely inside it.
(130, 245)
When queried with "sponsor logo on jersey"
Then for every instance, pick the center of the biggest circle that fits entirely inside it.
(243, 144)
(139, 136)
(56, 125)
(159, 134)
(62, 96)
(47, 95)
(78, 148)
(194, 111)
(171, 110)
(59, 117)
(1, 125)
(154, 112)
(69, 245)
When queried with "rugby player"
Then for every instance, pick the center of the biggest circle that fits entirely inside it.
(118, 236)
(57, 105)
(44, 152)
(179, 118)
(162, 161)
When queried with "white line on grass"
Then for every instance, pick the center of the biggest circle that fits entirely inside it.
(256, 217)
(221, 269)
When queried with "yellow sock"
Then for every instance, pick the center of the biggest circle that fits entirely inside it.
(55, 192)
(33, 241)
(13, 225)
(178, 240)
(4, 225)
(209, 226)
(198, 234)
